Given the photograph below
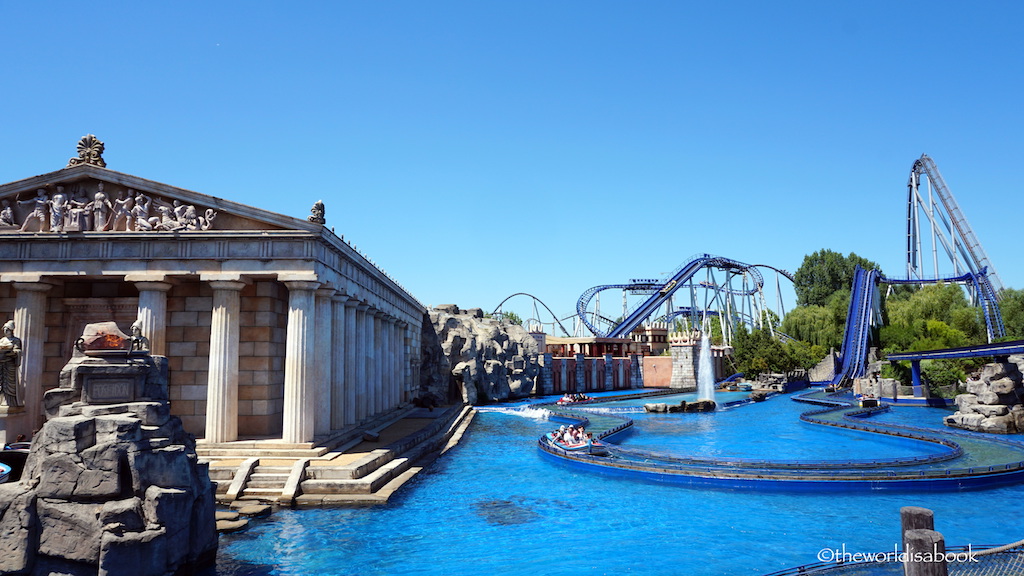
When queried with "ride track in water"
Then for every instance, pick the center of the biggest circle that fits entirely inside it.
(994, 461)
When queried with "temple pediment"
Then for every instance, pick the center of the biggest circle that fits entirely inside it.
(88, 198)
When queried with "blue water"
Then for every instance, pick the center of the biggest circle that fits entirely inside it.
(494, 505)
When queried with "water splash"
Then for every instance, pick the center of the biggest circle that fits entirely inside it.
(705, 371)
(521, 411)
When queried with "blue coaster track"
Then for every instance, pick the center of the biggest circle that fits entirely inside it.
(864, 312)
(661, 292)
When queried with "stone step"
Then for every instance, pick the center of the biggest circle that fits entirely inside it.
(256, 445)
(260, 493)
(211, 453)
(275, 484)
(263, 469)
(366, 485)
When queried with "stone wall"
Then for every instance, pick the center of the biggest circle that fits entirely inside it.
(658, 371)
(261, 348)
(188, 350)
(262, 335)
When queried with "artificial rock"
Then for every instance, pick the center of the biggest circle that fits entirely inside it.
(993, 402)
(483, 359)
(112, 485)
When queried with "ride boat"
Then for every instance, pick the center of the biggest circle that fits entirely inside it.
(588, 445)
(573, 399)
(867, 401)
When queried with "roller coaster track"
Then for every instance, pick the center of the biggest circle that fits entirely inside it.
(864, 306)
(661, 292)
(535, 299)
(961, 241)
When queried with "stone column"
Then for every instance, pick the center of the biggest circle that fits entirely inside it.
(222, 382)
(30, 326)
(402, 329)
(323, 362)
(338, 351)
(386, 355)
(153, 314)
(300, 363)
(375, 354)
(609, 364)
(351, 378)
(397, 348)
(362, 362)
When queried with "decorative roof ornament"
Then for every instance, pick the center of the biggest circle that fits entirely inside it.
(317, 213)
(90, 151)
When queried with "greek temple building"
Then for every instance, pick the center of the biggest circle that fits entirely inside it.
(273, 326)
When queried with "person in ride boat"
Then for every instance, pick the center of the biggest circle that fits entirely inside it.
(570, 435)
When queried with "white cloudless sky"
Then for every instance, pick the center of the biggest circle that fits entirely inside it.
(478, 149)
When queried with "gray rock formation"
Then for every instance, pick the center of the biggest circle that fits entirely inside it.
(110, 487)
(482, 359)
(994, 401)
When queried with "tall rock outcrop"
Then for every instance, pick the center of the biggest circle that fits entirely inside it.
(112, 485)
(994, 401)
(482, 359)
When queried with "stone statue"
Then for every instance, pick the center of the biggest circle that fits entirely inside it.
(140, 212)
(10, 359)
(139, 342)
(123, 207)
(101, 209)
(206, 222)
(58, 210)
(79, 208)
(39, 210)
(7, 214)
(317, 213)
(90, 151)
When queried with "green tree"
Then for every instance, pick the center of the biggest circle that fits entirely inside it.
(825, 272)
(512, 317)
(758, 352)
(1011, 305)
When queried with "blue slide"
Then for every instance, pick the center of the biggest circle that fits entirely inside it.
(856, 337)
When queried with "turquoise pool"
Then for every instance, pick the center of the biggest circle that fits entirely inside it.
(495, 505)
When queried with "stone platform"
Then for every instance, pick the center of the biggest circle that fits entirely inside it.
(358, 466)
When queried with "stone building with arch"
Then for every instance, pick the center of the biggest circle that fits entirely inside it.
(273, 326)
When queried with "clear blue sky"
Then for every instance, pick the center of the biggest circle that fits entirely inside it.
(477, 149)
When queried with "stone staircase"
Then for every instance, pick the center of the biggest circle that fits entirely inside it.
(320, 475)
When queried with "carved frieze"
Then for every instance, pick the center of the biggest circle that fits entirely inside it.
(91, 207)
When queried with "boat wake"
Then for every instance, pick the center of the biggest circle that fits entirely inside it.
(521, 411)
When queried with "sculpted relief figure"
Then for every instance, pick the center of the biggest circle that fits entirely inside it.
(10, 359)
(140, 213)
(123, 218)
(316, 213)
(7, 214)
(131, 211)
(58, 210)
(79, 211)
(101, 209)
(40, 205)
(206, 222)
(139, 342)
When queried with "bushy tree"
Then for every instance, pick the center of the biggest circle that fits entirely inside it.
(1011, 304)
(758, 352)
(825, 272)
